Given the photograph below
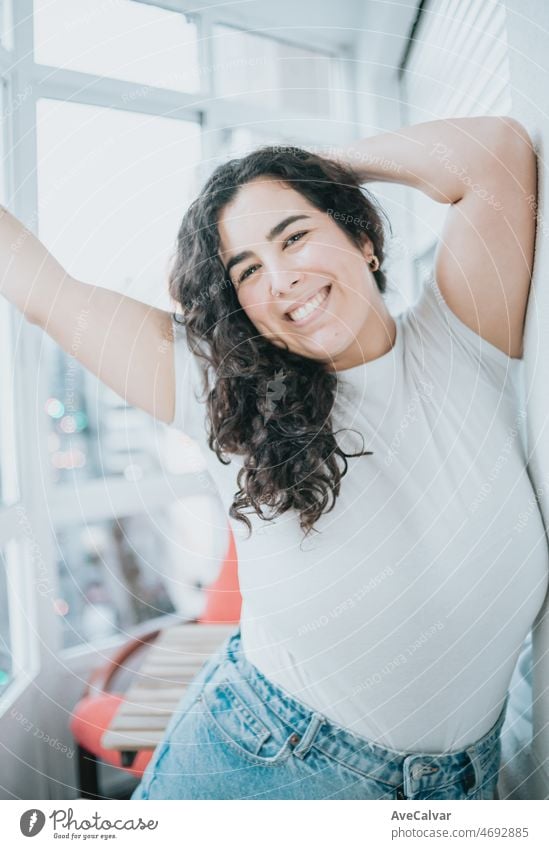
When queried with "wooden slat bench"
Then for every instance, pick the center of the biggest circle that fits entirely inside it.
(170, 664)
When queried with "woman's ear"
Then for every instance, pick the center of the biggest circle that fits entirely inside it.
(367, 249)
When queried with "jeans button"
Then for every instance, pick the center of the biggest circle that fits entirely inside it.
(294, 739)
(400, 793)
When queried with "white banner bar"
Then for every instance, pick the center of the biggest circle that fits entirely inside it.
(226, 825)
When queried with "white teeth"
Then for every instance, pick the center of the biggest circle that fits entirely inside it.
(309, 307)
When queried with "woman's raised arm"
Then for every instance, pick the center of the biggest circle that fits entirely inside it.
(126, 343)
(485, 167)
(444, 159)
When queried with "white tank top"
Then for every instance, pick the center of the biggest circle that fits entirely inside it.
(403, 618)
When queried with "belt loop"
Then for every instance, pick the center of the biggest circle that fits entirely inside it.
(309, 737)
(408, 787)
(474, 758)
(473, 751)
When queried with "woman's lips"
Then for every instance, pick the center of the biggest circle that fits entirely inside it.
(315, 313)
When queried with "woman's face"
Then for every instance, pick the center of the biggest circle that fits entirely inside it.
(280, 252)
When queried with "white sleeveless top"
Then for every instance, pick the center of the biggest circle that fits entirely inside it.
(403, 618)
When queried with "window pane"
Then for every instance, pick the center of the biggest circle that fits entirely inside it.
(271, 73)
(112, 188)
(5, 639)
(8, 481)
(117, 573)
(125, 40)
(3, 306)
(4, 130)
(9, 491)
(6, 29)
(94, 433)
(239, 141)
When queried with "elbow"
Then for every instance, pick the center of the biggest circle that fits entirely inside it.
(513, 154)
(518, 132)
(513, 139)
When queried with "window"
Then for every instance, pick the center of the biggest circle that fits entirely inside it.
(17, 615)
(108, 578)
(123, 40)
(3, 305)
(238, 141)
(114, 574)
(93, 433)
(271, 73)
(9, 491)
(8, 481)
(119, 233)
(3, 140)
(6, 34)
(5, 624)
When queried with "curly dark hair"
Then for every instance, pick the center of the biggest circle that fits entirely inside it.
(289, 449)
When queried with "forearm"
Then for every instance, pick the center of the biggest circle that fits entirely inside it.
(30, 276)
(444, 159)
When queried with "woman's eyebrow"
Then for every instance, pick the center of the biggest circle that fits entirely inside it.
(272, 234)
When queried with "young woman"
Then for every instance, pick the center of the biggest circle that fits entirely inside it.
(372, 464)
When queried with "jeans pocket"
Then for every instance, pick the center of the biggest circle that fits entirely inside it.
(252, 731)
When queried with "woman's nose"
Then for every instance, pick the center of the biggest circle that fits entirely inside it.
(283, 281)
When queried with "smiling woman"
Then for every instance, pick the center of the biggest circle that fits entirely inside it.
(315, 278)
(262, 224)
(373, 658)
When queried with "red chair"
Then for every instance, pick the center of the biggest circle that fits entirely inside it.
(223, 599)
(94, 712)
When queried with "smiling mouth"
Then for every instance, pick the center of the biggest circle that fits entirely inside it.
(313, 307)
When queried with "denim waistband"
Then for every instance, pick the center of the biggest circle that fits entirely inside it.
(414, 772)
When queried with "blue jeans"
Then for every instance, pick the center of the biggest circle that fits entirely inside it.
(236, 735)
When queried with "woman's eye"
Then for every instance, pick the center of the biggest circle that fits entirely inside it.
(247, 273)
(290, 240)
(296, 236)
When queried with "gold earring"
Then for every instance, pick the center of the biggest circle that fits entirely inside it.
(374, 260)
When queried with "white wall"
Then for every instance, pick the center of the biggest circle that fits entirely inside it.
(528, 24)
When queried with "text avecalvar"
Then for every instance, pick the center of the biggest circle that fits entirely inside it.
(420, 815)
